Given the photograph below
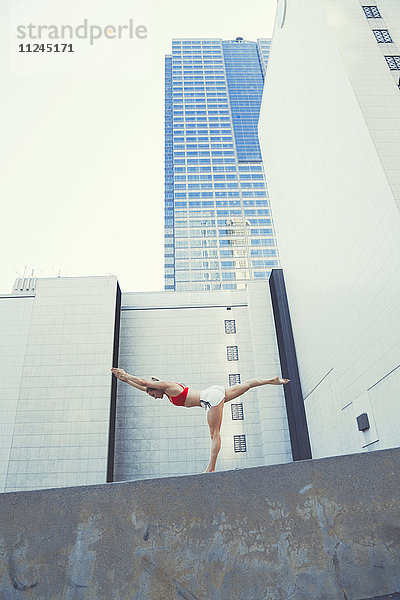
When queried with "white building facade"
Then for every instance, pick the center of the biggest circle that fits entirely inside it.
(333, 164)
(65, 420)
(199, 339)
(57, 340)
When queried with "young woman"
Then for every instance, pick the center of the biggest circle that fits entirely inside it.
(211, 399)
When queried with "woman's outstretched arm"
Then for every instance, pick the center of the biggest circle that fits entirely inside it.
(138, 382)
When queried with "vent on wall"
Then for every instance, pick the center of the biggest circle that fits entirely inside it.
(230, 326)
(232, 353)
(363, 422)
(239, 443)
(372, 12)
(234, 378)
(24, 284)
(393, 62)
(382, 36)
(237, 412)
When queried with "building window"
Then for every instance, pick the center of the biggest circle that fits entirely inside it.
(234, 378)
(232, 353)
(239, 443)
(393, 62)
(237, 412)
(230, 326)
(382, 36)
(371, 12)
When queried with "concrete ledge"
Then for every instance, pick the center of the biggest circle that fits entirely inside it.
(324, 529)
(390, 597)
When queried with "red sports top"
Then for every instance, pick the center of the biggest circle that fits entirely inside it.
(179, 400)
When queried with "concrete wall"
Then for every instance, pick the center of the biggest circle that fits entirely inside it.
(336, 216)
(316, 530)
(180, 336)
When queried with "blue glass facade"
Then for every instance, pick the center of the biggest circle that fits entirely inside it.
(218, 226)
(168, 172)
(245, 87)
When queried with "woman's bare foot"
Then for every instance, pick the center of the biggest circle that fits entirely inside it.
(274, 381)
(278, 381)
(209, 470)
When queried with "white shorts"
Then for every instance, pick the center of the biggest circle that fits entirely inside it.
(212, 396)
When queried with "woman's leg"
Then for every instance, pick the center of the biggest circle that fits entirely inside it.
(240, 388)
(214, 419)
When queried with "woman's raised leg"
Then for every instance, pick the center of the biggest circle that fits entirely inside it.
(214, 420)
(240, 388)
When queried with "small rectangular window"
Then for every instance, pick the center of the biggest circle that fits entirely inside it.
(372, 12)
(382, 36)
(230, 326)
(234, 378)
(232, 353)
(393, 62)
(239, 443)
(237, 412)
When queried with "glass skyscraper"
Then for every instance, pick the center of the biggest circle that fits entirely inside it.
(219, 231)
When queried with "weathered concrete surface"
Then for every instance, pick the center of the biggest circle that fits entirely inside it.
(324, 529)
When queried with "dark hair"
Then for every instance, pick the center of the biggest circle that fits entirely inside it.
(150, 389)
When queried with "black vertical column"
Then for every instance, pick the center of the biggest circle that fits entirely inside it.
(296, 415)
(113, 403)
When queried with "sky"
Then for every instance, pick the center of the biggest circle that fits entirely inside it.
(82, 144)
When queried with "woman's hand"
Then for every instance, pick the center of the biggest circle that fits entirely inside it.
(119, 373)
